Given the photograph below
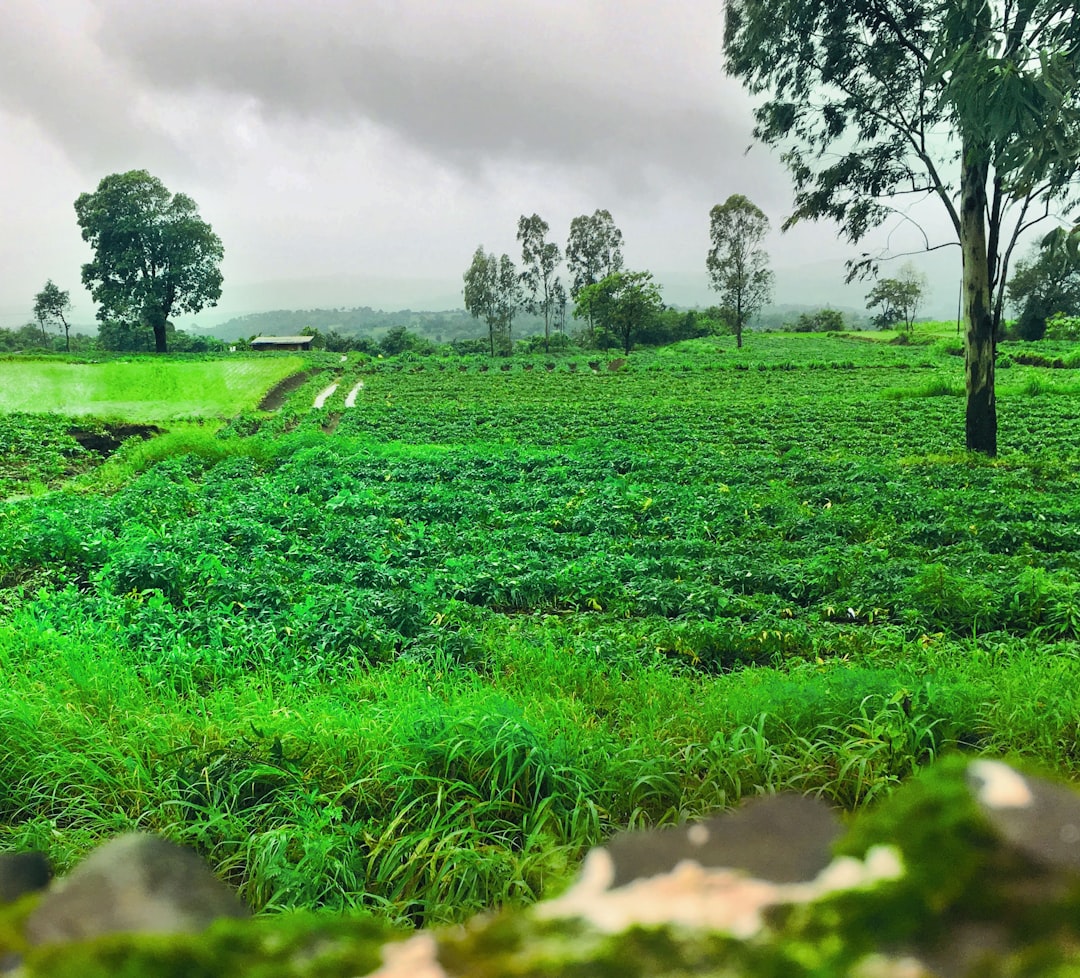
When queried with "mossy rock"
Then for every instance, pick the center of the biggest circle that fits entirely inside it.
(971, 868)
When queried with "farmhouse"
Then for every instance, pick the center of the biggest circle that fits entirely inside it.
(282, 342)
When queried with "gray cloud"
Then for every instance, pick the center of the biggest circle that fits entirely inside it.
(569, 85)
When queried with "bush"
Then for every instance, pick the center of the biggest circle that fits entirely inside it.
(1062, 327)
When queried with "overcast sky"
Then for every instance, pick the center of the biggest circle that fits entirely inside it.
(356, 153)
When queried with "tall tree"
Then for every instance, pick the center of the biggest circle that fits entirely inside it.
(51, 305)
(738, 266)
(540, 259)
(481, 279)
(971, 102)
(625, 304)
(493, 293)
(593, 250)
(154, 256)
(508, 298)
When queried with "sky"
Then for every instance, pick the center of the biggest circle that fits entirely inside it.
(357, 153)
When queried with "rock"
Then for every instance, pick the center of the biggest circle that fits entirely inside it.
(969, 869)
(22, 873)
(133, 884)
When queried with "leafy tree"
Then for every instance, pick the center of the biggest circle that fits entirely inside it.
(738, 268)
(819, 321)
(540, 259)
(50, 306)
(971, 102)
(898, 298)
(593, 251)
(509, 298)
(153, 255)
(625, 305)
(1045, 283)
(493, 293)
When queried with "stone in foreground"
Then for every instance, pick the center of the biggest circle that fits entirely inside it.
(970, 869)
(134, 884)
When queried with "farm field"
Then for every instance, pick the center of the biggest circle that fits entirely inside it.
(141, 390)
(417, 654)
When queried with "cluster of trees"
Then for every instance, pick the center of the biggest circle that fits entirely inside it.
(617, 306)
(1046, 284)
(897, 300)
(495, 290)
(153, 257)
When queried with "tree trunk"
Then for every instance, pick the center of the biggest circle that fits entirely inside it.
(981, 421)
(157, 319)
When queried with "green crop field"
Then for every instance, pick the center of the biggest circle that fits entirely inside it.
(142, 390)
(416, 650)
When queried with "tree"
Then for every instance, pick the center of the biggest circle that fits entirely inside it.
(1045, 283)
(972, 102)
(540, 259)
(50, 306)
(738, 268)
(624, 304)
(493, 293)
(593, 251)
(899, 298)
(153, 255)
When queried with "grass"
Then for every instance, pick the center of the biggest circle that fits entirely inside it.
(141, 390)
(415, 657)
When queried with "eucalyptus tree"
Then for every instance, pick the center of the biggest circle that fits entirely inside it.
(153, 254)
(493, 293)
(973, 103)
(51, 306)
(540, 259)
(593, 250)
(738, 266)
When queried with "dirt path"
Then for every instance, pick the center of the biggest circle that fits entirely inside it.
(350, 400)
(324, 396)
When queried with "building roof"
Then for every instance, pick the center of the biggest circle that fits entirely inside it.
(282, 340)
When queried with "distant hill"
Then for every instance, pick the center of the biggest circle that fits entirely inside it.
(441, 326)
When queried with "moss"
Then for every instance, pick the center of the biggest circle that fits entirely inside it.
(292, 946)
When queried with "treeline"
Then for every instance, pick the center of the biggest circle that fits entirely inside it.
(111, 337)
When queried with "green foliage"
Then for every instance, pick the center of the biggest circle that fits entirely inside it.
(1062, 327)
(1046, 283)
(153, 254)
(623, 306)
(821, 321)
(738, 266)
(898, 298)
(418, 663)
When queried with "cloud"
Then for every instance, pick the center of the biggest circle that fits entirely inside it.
(633, 91)
(52, 73)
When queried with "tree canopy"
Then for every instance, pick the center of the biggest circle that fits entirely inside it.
(874, 104)
(154, 256)
(540, 258)
(738, 267)
(492, 292)
(593, 250)
(1046, 282)
(623, 305)
(898, 299)
(51, 306)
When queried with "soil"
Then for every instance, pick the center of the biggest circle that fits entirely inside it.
(277, 394)
(110, 437)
